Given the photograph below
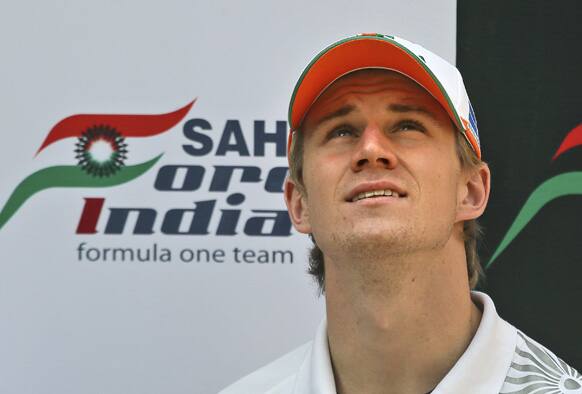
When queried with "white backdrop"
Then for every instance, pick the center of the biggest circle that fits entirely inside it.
(71, 325)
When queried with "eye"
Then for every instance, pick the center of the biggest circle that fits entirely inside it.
(341, 131)
(410, 125)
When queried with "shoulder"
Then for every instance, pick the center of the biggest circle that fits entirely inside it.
(277, 377)
(534, 367)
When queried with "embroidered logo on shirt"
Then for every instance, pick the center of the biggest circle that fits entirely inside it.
(535, 369)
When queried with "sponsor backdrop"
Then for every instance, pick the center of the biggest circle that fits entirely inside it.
(144, 243)
(521, 63)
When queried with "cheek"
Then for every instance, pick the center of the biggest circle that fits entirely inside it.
(319, 174)
(443, 173)
(321, 179)
(443, 185)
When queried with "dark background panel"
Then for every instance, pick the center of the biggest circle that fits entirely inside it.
(522, 66)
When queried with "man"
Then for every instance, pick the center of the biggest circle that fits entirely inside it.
(386, 176)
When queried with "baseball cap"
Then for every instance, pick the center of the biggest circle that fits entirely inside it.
(371, 50)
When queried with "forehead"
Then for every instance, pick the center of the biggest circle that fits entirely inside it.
(382, 84)
(371, 77)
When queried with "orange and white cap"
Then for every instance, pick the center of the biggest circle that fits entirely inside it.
(370, 50)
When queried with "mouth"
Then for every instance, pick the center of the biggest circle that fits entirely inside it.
(376, 190)
(376, 194)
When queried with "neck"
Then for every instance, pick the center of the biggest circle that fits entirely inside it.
(399, 325)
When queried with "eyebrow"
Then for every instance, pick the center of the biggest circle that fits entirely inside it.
(343, 111)
(399, 108)
(403, 108)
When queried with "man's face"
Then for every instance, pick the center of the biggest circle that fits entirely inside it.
(381, 173)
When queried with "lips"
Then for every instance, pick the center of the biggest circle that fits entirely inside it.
(374, 190)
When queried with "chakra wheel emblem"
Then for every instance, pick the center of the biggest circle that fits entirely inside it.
(101, 151)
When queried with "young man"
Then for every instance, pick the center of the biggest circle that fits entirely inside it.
(386, 176)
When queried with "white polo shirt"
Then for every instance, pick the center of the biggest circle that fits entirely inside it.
(499, 359)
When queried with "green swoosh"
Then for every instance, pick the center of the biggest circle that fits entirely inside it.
(66, 176)
(561, 185)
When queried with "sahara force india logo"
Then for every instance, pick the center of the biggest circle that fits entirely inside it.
(101, 151)
(566, 184)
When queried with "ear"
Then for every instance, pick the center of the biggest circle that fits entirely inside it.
(473, 193)
(297, 207)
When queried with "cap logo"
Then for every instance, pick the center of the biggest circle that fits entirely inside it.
(473, 123)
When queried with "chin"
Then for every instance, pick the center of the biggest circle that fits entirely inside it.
(376, 244)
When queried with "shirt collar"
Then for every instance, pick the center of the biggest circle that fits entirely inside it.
(485, 362)
(315, 376)
(482, 367)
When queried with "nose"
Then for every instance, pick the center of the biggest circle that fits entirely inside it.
(374, 150)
